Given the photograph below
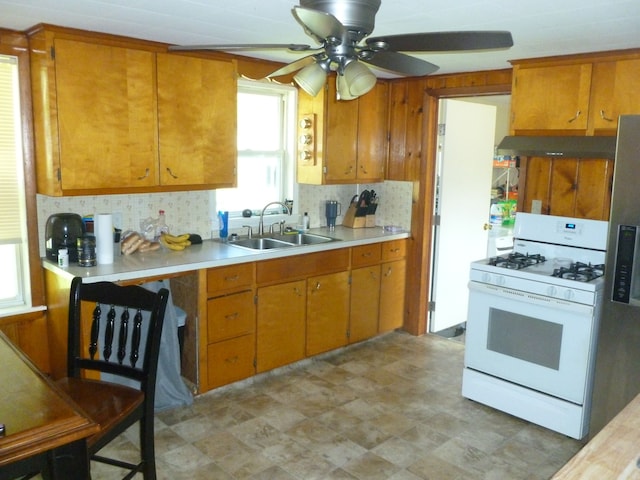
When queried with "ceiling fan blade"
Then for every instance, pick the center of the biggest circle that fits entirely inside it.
(318, 25)
(444, 41)
(293, 66)
(242, 46)
(401, 63)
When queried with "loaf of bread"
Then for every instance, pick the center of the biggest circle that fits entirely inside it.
(131, 243)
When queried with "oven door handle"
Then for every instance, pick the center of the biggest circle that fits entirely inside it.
(530, 298)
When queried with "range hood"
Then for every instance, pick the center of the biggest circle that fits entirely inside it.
(565, 146)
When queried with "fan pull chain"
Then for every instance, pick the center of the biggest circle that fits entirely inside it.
(122, 338)
(95, 328)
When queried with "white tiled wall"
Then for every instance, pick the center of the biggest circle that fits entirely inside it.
(193, 212)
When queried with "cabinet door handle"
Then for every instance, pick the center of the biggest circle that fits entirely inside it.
(233, 278)
(171, 173)
(388, 272)
(231, 316)
(146, 174)
(364, 170)
(297, 291)
(368, 254)
(604, 117)
(578, 113)
(232, 360)
(317, 285)
(349, 170)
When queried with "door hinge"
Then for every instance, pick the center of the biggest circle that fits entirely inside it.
(255, 299)
(255, 362)
(441, 129)
(59, 174)
(436, 220)
(431, 306)
(52, 52)
(350, 280)
(324, 170)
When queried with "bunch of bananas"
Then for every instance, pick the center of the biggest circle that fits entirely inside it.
(175, 242)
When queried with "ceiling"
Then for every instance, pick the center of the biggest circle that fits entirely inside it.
(540, 28)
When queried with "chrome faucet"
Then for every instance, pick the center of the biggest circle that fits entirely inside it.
(261, 224)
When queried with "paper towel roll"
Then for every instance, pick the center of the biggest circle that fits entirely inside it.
(103, 228)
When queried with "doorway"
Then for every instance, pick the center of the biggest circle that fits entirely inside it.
(469, 130)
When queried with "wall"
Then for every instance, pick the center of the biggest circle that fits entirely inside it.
(193, 212)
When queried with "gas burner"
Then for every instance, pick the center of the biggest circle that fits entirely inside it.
(580, 272)
(516, 261)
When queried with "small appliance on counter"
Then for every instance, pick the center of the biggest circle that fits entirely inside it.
(62, 231)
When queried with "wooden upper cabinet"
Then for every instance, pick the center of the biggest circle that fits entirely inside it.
(94, 116)
(372, 133)
(341, 134)
(551, 97)
(196, 121)
(349, 137)
(614, 92)
(96, 106)
(576, 94)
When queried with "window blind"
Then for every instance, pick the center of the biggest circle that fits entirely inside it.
(11, 173)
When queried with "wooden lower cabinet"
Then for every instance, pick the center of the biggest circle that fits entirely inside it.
(281, 315)
(229, 336)
(231, 360)
(365, 298)
(327, 312)
(392, 289)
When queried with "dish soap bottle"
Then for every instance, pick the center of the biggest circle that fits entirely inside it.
(305, 221)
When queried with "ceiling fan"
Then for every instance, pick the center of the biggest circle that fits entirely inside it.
(340, 26)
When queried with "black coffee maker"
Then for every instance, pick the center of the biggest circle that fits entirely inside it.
(62, 231)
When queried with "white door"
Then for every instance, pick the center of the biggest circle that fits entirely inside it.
(465, 163)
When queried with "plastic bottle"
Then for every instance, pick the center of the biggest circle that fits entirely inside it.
(305, 221)
(495, 214)
(63, 257)
(161, 227)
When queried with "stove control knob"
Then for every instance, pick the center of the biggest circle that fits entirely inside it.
(569, 294)
(500, 280)
(552, 291)
(486, 278)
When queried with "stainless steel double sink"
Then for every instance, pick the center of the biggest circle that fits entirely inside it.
(281, 241)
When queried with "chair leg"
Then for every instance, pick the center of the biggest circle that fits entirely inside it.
(147, 448)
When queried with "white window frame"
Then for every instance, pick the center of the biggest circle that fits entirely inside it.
(288, 172)
(16, 249)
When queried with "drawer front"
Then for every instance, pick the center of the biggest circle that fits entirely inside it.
(230, 316)
(394, 250)
(232, 277)
(366, 255)
(300, 266)
(231, 360)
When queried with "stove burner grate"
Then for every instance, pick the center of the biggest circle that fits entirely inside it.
(516, 261)
(581, 272)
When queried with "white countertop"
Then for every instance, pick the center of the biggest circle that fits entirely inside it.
(212, 253)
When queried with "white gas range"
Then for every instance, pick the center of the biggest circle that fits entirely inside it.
(533, 321)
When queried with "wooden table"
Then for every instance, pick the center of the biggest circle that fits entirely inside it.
(42, 425)
(612, 454)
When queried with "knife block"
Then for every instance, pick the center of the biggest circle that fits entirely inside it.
(350, 218)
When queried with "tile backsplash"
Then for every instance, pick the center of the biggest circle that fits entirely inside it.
(194, 211)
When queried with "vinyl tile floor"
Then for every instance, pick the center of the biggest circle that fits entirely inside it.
(387, 408)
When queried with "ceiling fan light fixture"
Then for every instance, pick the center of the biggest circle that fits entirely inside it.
(358, 78)
(343, 89)
(311, 78)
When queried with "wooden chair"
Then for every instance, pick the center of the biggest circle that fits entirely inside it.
(133, 317)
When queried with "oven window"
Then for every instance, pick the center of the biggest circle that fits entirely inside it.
(526, 338)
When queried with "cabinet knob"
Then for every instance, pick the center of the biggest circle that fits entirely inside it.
(171, 173)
